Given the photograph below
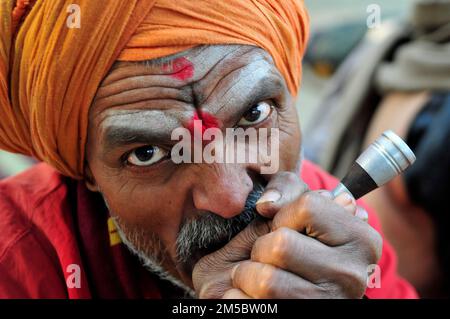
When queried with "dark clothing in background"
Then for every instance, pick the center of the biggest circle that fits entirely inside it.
(428, 180)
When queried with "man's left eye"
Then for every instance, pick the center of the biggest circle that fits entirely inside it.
(256, 114)
(146, 155)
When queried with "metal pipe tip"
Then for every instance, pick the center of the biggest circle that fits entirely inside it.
(397, 149)
(386, 157)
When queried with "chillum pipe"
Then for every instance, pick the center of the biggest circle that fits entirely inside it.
(384, 159)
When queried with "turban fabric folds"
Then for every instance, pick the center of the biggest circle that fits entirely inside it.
(50, 72)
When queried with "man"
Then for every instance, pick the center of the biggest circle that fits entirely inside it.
(102, 116)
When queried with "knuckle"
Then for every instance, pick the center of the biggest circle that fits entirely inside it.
(266, 282)
(347, 283)
(288, 177)
(365, 242)
(281, 242)
(307, 202)
(305, 199)
(371, 244)
(376, 246)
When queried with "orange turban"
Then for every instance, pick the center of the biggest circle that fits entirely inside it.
(49, 73)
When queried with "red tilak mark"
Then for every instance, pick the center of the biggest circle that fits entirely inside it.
(208, 121)
(191, 127)
(180, 68)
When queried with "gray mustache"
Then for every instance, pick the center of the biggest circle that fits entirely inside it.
(211, 231)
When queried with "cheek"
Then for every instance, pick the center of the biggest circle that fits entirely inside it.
(146, 207)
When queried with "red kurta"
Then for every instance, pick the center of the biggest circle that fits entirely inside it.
(48, 223)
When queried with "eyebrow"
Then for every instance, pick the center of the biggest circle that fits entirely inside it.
(268, 86)
(138, 127)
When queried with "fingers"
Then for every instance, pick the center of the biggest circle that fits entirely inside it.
(299, 254)
(311, 260)
(283, 188)
(239, 248)
(211, 274)
(341, 269)
(349, 204)
(287, 264)
(265, 281)
(319, 217)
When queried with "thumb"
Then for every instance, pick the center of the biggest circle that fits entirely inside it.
(282, 188)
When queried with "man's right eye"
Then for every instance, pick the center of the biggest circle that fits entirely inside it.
(146, 155)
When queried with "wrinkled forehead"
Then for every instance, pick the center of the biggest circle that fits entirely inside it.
(162, 93)
(198, 73)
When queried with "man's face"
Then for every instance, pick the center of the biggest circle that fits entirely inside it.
(173, 214)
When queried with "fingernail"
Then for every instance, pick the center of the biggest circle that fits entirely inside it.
(362, 214)
(345, 199)
(269, 196)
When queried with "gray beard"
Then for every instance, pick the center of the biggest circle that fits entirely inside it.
(196, 238)
(150, 251)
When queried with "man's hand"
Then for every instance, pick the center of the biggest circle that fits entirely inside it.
(315, 247)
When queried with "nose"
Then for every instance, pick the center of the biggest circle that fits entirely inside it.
(221, 189)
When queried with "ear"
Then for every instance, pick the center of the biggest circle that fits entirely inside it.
(89, 179)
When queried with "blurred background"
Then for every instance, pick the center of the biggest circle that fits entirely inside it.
(338, 26)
